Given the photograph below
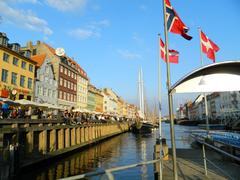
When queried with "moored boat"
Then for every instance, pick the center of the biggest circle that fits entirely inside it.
(142, 127)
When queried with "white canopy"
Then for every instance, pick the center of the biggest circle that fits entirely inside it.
(217, 77)
(27, 102)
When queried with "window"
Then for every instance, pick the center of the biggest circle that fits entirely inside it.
(61, 81)
(40, 90)
(72, 74)
(5, 57)
(44, 92)
(34, 52)
(30, 67)
(23, 64)
(65, 71)
(49, 93)
(14, 78)
(22, 81)
(69, 73)
(64, 95)
(41, 77)
(61, 69)
(53, 94)
(65, 83)
(68, 97)
(4, 75)
(47, 70)
(60, 94)
(15, 61)
(29, 83)
(69, 84)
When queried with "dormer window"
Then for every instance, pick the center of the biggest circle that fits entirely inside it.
(16, 47)
(3, 39)
(27, 54)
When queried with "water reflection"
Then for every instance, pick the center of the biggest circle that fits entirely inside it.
(121, 150)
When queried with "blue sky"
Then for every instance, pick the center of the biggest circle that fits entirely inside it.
(112, 39)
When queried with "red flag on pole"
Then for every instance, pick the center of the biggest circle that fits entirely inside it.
(208, 47)
(173, 54)
(174, 23)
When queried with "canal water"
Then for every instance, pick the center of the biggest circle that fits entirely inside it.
(121, 150)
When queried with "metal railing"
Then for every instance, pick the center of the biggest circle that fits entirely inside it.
(109, 172)
(205, 159)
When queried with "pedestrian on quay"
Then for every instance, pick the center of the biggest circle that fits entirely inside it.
(29, 112)
(5, 110)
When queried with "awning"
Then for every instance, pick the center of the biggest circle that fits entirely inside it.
(217, 77)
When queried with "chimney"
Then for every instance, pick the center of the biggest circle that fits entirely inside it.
(29, 44)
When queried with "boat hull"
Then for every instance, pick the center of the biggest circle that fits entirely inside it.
(142, 128)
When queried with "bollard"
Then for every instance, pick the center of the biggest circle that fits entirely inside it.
(14, 159)
(156, 155)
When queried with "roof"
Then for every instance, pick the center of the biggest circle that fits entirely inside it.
(39, 59)
(78, 67)
(217, 77)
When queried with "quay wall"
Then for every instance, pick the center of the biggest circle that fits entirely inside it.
(24, 143)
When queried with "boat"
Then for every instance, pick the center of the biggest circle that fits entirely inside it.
(142, 125)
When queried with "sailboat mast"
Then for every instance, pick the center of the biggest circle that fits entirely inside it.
(142, 93)
(139, 91)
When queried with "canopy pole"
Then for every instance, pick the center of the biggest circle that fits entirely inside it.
(170, 102)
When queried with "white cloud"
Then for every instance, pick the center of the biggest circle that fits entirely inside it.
(24, 1)
(126, 54)
(67, 5)
(90, 30)
(81, 33)
(24, 19)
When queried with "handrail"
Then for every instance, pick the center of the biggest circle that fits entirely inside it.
(212, 163)
(219, 150)
(109, 171)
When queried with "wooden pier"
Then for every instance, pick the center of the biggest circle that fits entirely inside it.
(27, 142)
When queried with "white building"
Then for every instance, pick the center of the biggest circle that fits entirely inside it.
(110, 105)
(45, 85)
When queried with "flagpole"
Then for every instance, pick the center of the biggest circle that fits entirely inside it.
(170, 105)
(159, 107)
(205, 97)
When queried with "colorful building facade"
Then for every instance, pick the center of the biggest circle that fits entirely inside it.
(45, 85)
(16, 71)
(82, 89)
(66, 71)
(91, 105)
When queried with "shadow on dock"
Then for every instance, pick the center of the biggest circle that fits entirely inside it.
(190, 166)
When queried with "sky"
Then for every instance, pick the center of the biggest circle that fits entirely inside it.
(112, 39)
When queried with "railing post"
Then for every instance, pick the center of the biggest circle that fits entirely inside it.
(204, 159)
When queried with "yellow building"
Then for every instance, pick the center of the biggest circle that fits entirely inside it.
(99, 101)
(125, 109)
(82, 89)
(16, 71)
(120, 106)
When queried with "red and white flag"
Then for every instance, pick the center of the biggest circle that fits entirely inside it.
(208, 47)
(174, 23)
(173, 54)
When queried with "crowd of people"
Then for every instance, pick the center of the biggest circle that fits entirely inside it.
(68, 116)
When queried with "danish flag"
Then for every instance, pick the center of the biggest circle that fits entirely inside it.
(173, 54)
(174, 23)
(208, 47)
